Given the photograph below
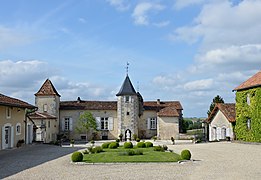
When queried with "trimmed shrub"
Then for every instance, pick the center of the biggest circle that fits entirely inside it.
(97, 149)
(128, 145)
(113, 145)
(134, 136)
(138, 139)
(105, 145)
(77, 157)
(141, 145)
(117, 140)
(131, 152)
(85, 152)
(138, 152)
(158, 148)
(149, 144)
(185, 154)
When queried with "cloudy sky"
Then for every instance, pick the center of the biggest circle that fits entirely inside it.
(186, 50)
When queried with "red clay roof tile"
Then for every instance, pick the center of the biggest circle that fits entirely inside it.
(254, 81)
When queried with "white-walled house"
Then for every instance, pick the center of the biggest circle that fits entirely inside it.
(14, 123)
(220, 122)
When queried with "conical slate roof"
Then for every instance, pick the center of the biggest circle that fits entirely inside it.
(47, 89)
(126, 88)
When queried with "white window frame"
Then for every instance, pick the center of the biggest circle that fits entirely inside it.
(153, 123)
(45, 108)
(66, 124)
(8, 112)
(18, 129)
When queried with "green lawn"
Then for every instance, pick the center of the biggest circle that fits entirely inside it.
(115, 155)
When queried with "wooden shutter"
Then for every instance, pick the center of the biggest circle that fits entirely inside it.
(63, 124)
(148, 123)
(70, 124)
(110, 123)
(98, 122)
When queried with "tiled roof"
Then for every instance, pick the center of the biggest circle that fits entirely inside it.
(88, 105)
(38, 115)
(47, 89)
(168, 112)
(126, 88)
(9, 101)
(164, 108)
(254, 81)
(228, 109)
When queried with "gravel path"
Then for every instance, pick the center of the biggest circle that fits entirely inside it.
(212, 161)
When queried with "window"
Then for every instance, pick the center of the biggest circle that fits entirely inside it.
(248, 124)
(45, 107)
(8, 112)
(66, 124)
(104, 123)
(153, 123)
(18, 129)
(248, 99)
(49, 124)
(127, 99)
(128, 113)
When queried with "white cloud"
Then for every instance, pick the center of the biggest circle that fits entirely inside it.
(82, 20)
(141, 11)
(162, 24)
(180, 4)
(13, 37)
(222, 23)
(120, 5)
(203, 84)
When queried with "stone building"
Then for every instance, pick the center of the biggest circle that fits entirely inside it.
(221, 121)
(128, 114)
(248, 109)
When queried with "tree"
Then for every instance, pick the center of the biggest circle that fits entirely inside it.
(85, 123)
(217, 99)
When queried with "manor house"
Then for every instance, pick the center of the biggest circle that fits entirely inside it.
(128, 114)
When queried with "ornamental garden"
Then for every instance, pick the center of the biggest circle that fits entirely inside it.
(112, 152)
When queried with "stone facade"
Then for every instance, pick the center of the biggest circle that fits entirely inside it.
(129, 112)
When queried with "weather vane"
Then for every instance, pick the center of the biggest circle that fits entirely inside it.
(127, 68)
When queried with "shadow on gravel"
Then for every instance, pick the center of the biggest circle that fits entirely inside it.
(16, 160)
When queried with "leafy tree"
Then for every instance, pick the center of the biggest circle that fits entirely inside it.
(85, 123)
(217, 99)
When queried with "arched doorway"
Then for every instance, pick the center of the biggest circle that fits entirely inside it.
(128, 135)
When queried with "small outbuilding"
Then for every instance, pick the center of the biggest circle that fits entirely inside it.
(221, 121)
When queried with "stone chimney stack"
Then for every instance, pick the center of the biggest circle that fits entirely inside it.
(158, 101)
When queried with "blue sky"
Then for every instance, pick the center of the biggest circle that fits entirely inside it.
(186, 50)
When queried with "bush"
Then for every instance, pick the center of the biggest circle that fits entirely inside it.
(131, 152)
(154, 138)
(77, 157)
(149, 144)
(138, 139)
(158, 148)
(113, 145)
(141, 145)
(165, 147)
(117, 140)
(94, 150)
(134, 136)
(138, 152)
(185, 154)
(128, 145)
(85, 152)
(105, 145)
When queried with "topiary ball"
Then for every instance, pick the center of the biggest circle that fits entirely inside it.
(128, 145)
(141, 145)
(105, 145)
(113, 145)
(185, 154)
(149, 144)
(77, 157)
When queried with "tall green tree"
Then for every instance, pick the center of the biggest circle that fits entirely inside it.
(86, 123)
(217, 99)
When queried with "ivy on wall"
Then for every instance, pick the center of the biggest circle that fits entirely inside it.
(245, 111)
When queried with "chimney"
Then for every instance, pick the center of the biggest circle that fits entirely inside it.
(158, 101)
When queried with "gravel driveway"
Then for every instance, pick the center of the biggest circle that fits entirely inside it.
(222, 160)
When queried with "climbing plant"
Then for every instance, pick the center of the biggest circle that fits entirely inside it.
(248, 112)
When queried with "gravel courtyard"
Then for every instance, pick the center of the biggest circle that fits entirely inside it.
(223, 160)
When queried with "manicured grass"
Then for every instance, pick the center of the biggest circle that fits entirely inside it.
(115, 155)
